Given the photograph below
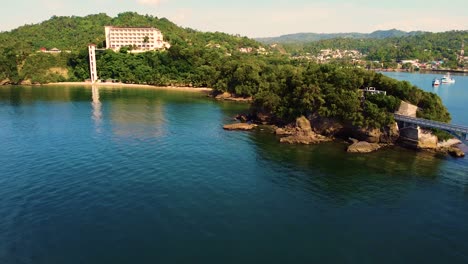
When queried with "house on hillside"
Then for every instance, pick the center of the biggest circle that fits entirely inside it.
(53, 50)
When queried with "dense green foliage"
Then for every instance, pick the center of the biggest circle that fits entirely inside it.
(19, 47)
(328, 90)
(425, 46)
(75, 33)
(282, 87)
(309, 37)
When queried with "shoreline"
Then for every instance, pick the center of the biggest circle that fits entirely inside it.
(123, 85)
(423, 71)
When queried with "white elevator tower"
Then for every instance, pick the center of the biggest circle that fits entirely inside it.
(92, 62)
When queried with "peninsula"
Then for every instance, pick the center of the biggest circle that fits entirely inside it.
(337, 97)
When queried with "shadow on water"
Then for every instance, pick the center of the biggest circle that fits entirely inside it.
(18, 95)
(328, 167)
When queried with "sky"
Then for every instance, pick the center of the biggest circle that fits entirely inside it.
(259, 18)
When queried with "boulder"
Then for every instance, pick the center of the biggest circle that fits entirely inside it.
(232, 97)
(285, 131)
(456, 152)
(371, 135)
(390, 134)
(239, 126)
(363, 147)
(306, 140)
(449, 143)
(242, 118)
(303, 134)
(453, 151)
(223, 96)
(427, 140)
(26, 82)
(263, 117)
(4, 82)
(326, 126)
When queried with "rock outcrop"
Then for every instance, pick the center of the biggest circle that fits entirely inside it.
(303, 134)
(363, 147)
(333, 128)
(371, 135)
(455, 152)
(451, 148)
(427, 140)
(239, 126)
(449, 143)
(390, 134)
(232, 97)
(327, 126)
(26, 82)
(285, 131)
(5, 82)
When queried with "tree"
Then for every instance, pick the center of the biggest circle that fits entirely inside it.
(146, 41)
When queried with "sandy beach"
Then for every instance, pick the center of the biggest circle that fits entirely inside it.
(122, 85)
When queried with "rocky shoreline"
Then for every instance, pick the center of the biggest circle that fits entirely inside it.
(230, 97)
(314, 130)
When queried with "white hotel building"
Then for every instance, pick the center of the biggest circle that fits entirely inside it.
(141, 38)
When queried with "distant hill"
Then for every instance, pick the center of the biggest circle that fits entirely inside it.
(311, 37)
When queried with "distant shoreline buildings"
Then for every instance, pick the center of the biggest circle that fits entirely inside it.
(141, 38)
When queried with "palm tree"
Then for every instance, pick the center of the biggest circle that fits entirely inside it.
(146, 41)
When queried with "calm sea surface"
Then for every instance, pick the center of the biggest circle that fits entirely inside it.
(148, 176)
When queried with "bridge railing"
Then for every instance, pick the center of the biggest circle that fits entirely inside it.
(432, 124)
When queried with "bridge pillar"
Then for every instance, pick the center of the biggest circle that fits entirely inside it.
(403, 124)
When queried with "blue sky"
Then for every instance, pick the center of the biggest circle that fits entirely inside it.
(259, 18)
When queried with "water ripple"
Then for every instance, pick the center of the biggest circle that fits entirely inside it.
(159, 180)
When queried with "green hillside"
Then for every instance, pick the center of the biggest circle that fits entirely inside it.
(74, 33)
(20, 59)
(282, 87)
(425, 46)
(311, 37)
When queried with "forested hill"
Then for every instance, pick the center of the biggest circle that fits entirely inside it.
(280, 86)
(310, 37)
(74, 33)
(426, 47)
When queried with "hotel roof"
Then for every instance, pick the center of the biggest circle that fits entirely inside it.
(133, 27)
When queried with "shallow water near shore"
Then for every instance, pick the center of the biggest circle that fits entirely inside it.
(149, 176)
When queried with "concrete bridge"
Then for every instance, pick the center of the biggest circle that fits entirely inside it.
(460, 132)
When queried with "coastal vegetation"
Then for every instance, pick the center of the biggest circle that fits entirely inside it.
(281, 88)
(422, 46)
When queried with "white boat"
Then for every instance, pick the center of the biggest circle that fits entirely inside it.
(435, 82)
(447, 79)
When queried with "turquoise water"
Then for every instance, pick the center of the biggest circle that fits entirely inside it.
(148, 176)
(454, 95)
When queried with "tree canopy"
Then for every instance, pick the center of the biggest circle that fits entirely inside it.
(283, 87)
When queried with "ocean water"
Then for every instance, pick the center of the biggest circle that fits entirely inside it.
(149, 176)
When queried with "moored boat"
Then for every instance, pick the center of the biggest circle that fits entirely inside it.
(447, 79)
(435, 82)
